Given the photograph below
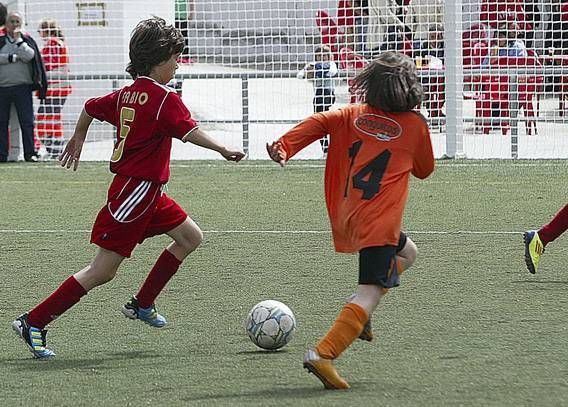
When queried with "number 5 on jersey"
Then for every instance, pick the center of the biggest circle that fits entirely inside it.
(126, 116)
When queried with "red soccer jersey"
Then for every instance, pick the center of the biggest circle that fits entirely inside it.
(370, 158)
(146, 116)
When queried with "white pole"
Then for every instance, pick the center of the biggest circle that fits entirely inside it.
(454, 78)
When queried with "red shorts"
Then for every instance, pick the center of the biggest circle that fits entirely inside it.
(135, 209)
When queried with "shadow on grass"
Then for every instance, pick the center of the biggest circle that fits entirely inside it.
(106, 362)
(272, 394)
(263, 352)
(289, 393)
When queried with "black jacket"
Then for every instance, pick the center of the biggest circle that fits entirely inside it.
(39, 78)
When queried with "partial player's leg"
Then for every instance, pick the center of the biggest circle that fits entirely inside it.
(406, 253)
(536, 241)
(171, 219)
(31, 326)
(377, 274)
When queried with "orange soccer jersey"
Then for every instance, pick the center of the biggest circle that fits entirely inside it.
(370, 158)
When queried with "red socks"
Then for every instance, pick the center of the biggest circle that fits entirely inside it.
(68, 294)
(165, 267)
(557, 226)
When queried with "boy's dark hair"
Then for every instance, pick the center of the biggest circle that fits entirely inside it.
(3, 14)
(152, 42)
(390, 83)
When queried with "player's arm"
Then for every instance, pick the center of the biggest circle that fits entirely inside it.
(72, 152)
(201, 138)
(176, 121)
(423, 164)
(300, 136)
(102, 108)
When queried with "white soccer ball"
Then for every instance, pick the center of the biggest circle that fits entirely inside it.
(270, 324)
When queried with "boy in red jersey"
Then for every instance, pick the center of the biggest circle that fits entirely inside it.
(536, 240)
(147, 115)
(374, 147)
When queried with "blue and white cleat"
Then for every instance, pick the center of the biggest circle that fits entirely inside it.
(533, 250)
(147, 315)
(34, 338)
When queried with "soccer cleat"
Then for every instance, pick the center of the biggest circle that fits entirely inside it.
(34, 338)
(324, 370)
(147, 315)
(533, 250)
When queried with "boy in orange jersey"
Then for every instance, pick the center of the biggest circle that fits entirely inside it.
(374, 147)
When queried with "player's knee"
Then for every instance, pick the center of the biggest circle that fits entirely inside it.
(190, 239)
(408, 254)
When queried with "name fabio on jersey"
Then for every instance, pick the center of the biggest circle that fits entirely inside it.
(380, 127)
(134, 97)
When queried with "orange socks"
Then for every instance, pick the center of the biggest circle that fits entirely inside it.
(346, 328)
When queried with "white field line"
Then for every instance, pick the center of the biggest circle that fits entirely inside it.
(277, 232)
(317, 164)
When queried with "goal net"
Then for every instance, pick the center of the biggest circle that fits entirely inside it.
(495, 73)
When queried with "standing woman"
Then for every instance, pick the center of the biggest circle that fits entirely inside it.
(56, 58)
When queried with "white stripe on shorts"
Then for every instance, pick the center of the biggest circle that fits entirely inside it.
(132, 201)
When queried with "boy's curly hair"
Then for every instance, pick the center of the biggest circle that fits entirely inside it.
(152, 42)
(390, 83)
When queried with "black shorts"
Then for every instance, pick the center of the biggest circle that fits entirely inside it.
(377, 265)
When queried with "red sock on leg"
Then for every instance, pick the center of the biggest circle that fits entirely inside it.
(68, 294)
(165, 267)
(557, 226)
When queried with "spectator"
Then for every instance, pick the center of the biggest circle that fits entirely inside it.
(517, 47)
(434, 44)
(423, 14)
(506, 44)
(564, 27)
(321, 72)
(56, 59)
(432, 53)
(496, 12)
(3, 14)
(533, 18)
(21, 72)
(385, 30)
(346, 21)
(361, 11)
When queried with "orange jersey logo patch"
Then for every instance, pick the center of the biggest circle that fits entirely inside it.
(380, 127)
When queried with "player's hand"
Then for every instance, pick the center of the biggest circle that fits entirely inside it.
(276, 152)
(72, 152)
(232, 155)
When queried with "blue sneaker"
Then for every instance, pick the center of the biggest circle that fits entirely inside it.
(34, 337)
(147, 315)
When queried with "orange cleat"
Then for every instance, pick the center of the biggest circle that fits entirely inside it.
(324, 370)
